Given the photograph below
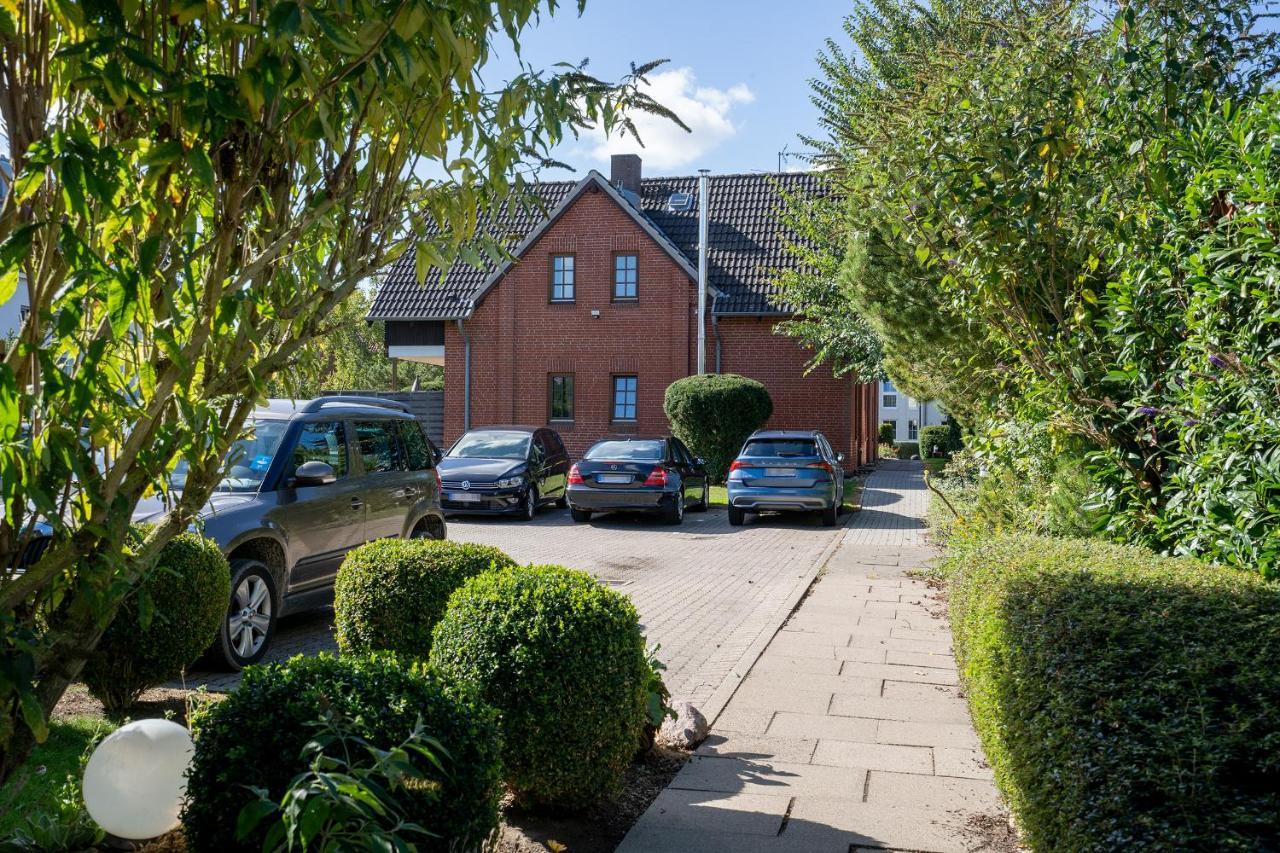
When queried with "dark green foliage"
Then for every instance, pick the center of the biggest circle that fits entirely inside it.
(171, 618)
(714, 414)
(1126, 701)
(936, 438)
(389, 594)
(562, 658)
(888, 432)
(255, 738)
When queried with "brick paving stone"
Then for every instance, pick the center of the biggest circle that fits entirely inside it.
(891, 761)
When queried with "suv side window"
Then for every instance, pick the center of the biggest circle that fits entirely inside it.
(321, 441)
(416, 449)
(378, 446)
(538, 448)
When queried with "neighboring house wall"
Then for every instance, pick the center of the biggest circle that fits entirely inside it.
(519, 338)
(13, 311)
(906, 411)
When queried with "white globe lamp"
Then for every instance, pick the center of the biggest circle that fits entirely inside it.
(136, 779)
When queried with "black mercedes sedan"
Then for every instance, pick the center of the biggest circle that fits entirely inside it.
(504, 470)
(656, 475)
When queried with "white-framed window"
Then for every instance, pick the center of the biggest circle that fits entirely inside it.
(888, 395)
(913, 431)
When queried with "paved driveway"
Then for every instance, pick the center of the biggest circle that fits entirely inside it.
(712, 595)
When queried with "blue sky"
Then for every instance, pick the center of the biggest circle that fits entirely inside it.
(738, 75)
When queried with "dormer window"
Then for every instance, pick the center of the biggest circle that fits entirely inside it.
(562, 278)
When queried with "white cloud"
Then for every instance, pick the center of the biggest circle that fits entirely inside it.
(705, 109)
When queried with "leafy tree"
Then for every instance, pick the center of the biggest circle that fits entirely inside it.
(199, 184)
(349, 354)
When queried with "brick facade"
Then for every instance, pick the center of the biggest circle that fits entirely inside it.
(519, 338)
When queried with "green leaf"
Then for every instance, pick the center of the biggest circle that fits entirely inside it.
(33, 716)
(201, 165)
(253, 814)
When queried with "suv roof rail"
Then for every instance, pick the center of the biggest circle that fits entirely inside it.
(354, 399)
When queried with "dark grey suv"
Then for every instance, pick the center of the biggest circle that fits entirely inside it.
(311, 481)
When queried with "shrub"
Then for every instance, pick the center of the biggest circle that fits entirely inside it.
(389, 594)
(714, 413)
(1126, 701)
(255, 739)
(936, 438)
(563, 660)
(888, 432)
(907, 449)
(168, 621)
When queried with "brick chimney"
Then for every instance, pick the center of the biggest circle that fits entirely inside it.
(624, 172)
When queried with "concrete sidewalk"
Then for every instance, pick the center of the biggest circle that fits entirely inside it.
(849, 731)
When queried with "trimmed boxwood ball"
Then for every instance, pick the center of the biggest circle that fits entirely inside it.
(1126, 701)
(254, 738)
(389, 594)
(164, 624)
(563, 660)
(714, 413)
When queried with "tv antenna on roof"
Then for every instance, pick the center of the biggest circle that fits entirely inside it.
(784, 155)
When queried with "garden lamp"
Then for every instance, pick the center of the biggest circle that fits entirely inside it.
(136, 779)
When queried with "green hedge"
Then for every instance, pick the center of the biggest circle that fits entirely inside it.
(1126, 701)
(563, 660)
(254, 738)
(164, 625)
(936, 436)
(714, 413)
(390, 594)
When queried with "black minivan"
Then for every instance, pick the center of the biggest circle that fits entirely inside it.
(507, 470)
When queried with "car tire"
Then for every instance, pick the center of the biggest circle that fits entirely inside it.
(562, 502)
(674, 514)
(830, 516)
(704, 504)
(737, 516)
(580, 515)
(250, 622)
(530, 506)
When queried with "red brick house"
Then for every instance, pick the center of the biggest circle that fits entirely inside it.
(599, 312)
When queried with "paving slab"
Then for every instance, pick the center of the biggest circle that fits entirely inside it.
(849, 733)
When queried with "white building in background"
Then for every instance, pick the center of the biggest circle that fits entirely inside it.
(14, 311)
(906, 414)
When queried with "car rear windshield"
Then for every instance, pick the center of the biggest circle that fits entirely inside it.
(492, 444)
(625, 451)
(780, 447)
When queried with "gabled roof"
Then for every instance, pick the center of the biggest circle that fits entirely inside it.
(747, 243)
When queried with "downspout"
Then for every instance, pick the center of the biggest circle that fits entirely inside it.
(466, 376)
(715, 330)
(703, 183)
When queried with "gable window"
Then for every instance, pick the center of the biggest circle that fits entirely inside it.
(624, 398)
(625, 277)
(888, 395)
(562, 278)
(560, 397)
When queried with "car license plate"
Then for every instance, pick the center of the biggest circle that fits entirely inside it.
(779, 472)
(613, 478)
(464, 497)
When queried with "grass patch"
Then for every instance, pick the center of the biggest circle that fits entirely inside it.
(719, 495)
(36, 788)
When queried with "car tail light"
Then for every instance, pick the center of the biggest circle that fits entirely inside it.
(657, 477)
(575, 476)
(825, 466)
(736, 464)
(439, 483)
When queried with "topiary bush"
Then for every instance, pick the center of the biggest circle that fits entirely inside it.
(562, 659)
(714, 413)
(888, 432)
(1126, 701)
(935, 438)
(165, 624)
(389, 594)
(255, 739)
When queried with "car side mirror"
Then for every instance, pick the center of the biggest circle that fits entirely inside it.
(314, 473)
(436, 454)
(839, 457)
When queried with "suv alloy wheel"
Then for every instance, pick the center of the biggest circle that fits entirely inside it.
(251, 616)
